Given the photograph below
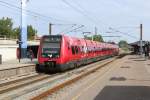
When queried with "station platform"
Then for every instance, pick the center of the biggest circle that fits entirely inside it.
(125, 79)
(128, 81)
(14, 68)
(14, 63)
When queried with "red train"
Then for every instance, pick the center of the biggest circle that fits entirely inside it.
(60, 52)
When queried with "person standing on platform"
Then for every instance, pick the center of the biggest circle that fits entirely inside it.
(146, 50)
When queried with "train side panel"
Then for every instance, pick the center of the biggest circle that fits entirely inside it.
(73, 52)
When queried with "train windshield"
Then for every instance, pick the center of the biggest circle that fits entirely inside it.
(51, 46)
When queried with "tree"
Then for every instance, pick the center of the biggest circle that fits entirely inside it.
(31, 32)
(6, 27)
(98, 38)
(124, 45)
(87, 38)
(7, 30)
(95, 38)
(16, 32)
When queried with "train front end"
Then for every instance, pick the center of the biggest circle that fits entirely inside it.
(49, 53)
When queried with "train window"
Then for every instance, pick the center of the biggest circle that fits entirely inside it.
(94, 49)
(79, 51)
(104, 49)
(68, 45)
(82, 49)
(52, 49)
(76, 49)
(73, 50)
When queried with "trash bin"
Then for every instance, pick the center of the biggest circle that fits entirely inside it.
(0, 59)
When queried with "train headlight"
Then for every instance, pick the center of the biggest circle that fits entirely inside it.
(50, 55)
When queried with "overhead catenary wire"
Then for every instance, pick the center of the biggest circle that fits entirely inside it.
(81, 26)
(83, 12)
(123, 33)
(110, 36)
(132, 27)
(66, 29)
(13, 1)
(16, 12)
(88, 13)
(32, 12)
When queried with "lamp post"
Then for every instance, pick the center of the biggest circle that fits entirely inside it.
(23, 36)
(141, 41)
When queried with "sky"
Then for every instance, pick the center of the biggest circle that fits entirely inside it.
(121, 18)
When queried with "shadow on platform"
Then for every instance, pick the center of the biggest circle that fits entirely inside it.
(124, 79)
(118, 79)
(124, 93)
(140, 60)
(134, 58)
(125, 67)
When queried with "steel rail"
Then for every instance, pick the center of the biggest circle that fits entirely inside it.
(22, 82)
(71, 81)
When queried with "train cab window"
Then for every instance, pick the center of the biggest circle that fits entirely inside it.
(73, 50)
(51, 46)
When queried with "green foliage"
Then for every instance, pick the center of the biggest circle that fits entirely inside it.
(31, 32)
(124, 45)
(95, 38)
(6, 29)
(16, 32)
(87, 38)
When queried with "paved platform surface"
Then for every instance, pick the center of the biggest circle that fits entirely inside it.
(15, 63)
(126, 79)
(130, 81)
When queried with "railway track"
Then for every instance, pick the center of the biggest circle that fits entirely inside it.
(47, 80)
(9, 86)
(73, 80)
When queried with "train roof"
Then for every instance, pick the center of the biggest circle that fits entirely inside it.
(88, 41)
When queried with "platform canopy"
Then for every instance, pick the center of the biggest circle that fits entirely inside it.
(136, 46)
(137, 43)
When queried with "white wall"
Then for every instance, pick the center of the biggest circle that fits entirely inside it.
(8, 53)
(8, 49)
